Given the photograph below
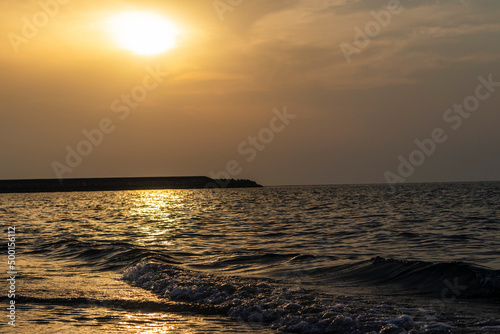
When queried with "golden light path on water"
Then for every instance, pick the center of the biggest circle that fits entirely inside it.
(158, 213)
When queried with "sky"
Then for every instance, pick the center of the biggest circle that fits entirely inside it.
(280, 92)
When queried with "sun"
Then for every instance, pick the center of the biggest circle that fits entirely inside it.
(143, 33)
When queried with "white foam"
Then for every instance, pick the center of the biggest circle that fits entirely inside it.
(282, 309)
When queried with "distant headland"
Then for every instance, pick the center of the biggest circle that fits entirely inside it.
(113, 184)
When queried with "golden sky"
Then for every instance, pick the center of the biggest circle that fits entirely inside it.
(356, 111)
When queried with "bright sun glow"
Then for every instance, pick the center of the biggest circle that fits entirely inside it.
(143, 33)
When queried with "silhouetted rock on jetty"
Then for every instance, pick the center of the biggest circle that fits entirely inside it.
(109, 184)
(232, 183)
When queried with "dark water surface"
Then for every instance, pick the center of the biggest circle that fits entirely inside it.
(319, 259)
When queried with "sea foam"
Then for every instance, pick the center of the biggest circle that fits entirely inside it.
(269, 303)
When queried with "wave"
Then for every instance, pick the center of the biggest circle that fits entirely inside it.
(458, 279)
(411, 277)
(452, 278)
(264, 302)
(102, 255)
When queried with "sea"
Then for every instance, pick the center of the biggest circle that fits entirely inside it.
(420, 258)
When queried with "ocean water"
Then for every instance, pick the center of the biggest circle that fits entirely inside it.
(317, 259)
